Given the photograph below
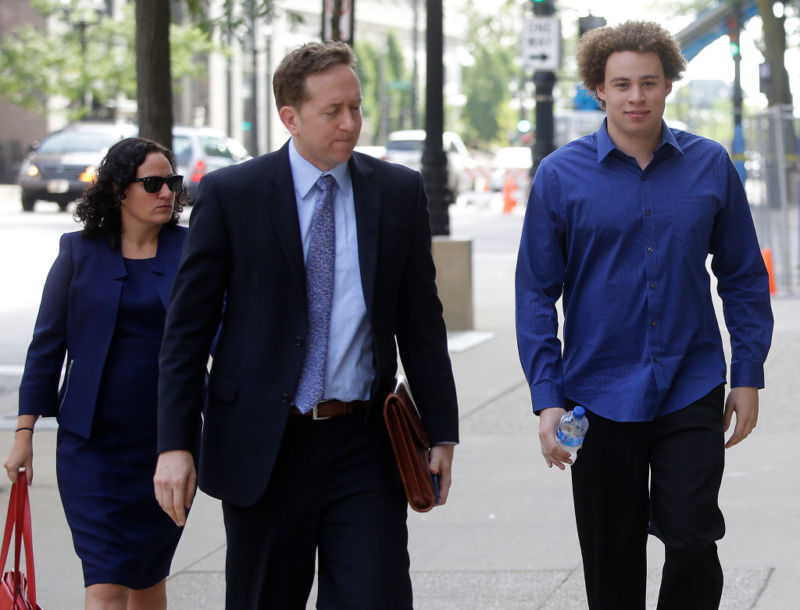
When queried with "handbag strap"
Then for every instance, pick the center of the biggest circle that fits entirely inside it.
(24, 524)
(19, 520)
(10, 519)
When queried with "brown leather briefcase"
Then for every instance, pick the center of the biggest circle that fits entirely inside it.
(411, 447)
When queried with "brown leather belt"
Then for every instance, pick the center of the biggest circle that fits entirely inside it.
(332, 408)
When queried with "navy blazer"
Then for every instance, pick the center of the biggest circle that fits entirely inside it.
(77, 316)
(244, 246)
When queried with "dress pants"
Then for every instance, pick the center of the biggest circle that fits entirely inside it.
(682, 454)
(331, 494)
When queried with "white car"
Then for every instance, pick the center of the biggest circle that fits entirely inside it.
(199, 150)
(405, 147)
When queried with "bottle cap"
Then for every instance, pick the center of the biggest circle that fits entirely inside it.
(578, 412)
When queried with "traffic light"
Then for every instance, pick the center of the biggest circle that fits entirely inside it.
(543, 7)
(589, 23)
(733, 36)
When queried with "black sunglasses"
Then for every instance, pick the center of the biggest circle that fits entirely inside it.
(153, 184)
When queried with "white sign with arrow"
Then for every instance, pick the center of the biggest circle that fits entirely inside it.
(541, 44)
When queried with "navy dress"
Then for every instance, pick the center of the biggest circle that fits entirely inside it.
(106, 482)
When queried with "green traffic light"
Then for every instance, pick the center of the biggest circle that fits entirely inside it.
(735, 48)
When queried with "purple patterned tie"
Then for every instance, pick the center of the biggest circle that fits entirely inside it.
(319, 297)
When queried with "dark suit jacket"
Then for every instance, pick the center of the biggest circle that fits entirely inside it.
(77, 317)
(244, 247)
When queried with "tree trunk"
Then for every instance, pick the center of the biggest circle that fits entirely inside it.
(154, 80)
(774, 35)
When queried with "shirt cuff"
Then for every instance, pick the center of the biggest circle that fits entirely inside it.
(545, 395)
(745, 373)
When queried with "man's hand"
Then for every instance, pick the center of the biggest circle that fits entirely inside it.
(553, 454)
(442, 464)
(175, 483)
(744, 402)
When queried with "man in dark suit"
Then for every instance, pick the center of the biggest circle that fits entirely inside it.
(293, 438)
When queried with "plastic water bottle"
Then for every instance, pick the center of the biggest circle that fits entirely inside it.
(572, 430)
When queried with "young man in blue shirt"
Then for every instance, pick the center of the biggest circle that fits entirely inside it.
(620, 224)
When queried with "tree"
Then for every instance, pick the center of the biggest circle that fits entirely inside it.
(493, 42)
(385, 87)
(772, 44)
(368, 69)
(773, 47)
(153, 71)
(88, 66)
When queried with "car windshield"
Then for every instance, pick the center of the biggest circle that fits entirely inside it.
(78, 141)
(182, 149)
(215, 147)
(409, 145)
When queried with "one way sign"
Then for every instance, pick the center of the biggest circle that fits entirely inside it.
(541, 44)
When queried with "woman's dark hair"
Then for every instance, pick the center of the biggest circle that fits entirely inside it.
(99, 208)
(597, 44)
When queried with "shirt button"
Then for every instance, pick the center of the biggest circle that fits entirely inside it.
(647, 213)
(644, 177)
(656, 359)
(285, 398)
(650, 249)
(652, 323)
(652, 285)
(299, 341)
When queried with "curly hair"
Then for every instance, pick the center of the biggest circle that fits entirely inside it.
(289, 81)
(99, 208)
(596, 45)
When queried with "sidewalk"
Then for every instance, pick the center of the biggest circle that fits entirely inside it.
(506, 538)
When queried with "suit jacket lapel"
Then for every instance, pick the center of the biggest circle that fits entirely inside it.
(366, 196)
(166, 262)
(283, 203)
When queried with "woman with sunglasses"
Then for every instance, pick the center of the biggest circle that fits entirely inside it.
(103, 308)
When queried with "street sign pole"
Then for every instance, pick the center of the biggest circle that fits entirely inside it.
(542, 54)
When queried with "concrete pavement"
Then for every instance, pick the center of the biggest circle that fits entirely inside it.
(506, 538)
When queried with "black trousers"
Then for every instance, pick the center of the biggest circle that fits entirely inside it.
(682, 456)
(331, 495)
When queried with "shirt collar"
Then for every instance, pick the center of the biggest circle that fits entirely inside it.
(305, 174)
(605, 145)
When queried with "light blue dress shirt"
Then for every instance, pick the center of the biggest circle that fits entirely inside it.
(350, 370)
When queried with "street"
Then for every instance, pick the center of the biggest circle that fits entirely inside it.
(506, 538)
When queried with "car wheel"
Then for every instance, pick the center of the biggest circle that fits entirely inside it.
(62, 205)
(28, 201)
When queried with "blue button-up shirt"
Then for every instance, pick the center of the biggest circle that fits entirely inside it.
(627, 248)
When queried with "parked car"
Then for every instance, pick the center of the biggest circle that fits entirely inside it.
(513, 161)
(64, 163)
(199, 150)
(61, 167)
(406, 147)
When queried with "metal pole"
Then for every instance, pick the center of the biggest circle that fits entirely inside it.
(434, 160)
(414, 75)
(779, 152)
(544, 142)
(735, 28)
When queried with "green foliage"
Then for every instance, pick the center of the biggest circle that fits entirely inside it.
(367, 68)
(236, 17)
(95, 58)
(493, 41)
(385, 87)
